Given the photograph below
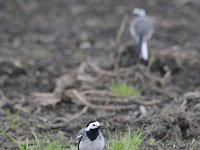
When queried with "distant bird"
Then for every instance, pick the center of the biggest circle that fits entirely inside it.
(141, 30)
(90, 137)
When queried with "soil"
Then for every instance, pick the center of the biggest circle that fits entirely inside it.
(57, 61)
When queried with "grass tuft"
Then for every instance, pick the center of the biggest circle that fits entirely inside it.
(152, 141)
(125, 141)
(38, 144)
(12, 118)
(124, 89)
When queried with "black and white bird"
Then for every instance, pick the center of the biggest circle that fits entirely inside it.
(141, 30)
(90, 137)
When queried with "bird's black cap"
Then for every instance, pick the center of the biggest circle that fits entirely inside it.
(90, 122)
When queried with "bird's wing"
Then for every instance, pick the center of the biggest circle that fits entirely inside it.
(80, 134)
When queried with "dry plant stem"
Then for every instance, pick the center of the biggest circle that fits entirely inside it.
(192, 94)
(121, 29)
(67, 120)
(117, 57)
(86, 78)
(116, 98)
(127, 100)
(82, 76)
(173, 52)
(45, 99)
(167, 74)
(101, 71)
(104, 107)
(98, 92)
(152, 77)
(118, 39)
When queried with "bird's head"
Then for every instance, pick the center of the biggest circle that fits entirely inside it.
(92, 125)
(139, 12)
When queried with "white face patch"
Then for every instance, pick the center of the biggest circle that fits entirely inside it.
(139, 12)
(92, 125)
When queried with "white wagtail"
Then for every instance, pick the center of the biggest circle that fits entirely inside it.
(90, 138)
(141, 29)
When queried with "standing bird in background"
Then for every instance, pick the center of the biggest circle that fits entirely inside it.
(141, 30)
(90, 138)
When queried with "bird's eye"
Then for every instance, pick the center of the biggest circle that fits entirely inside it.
(93, 124)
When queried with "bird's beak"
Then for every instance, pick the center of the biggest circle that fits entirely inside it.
(101, 126)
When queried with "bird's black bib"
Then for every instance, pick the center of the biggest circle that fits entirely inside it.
(92, 134)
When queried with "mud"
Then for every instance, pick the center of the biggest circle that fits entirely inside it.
(42, 41)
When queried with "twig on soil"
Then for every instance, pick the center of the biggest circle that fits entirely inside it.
(162, 80)
(98, 92)
(151, 76)
(116, 98)
(164, 91)
(101, 71)
(95, 68)
(66, 121)
(192, 94)
(175, 52)
(45, 99)
(125, 100)
(82, 98)
(86, 78)
(167, 74)
(82, 76)
(139, 100)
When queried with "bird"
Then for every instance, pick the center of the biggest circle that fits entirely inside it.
(141, 29)
(90, 137)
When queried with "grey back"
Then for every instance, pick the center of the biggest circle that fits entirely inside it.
(141, 27)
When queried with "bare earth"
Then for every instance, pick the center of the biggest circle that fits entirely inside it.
(57, 62)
